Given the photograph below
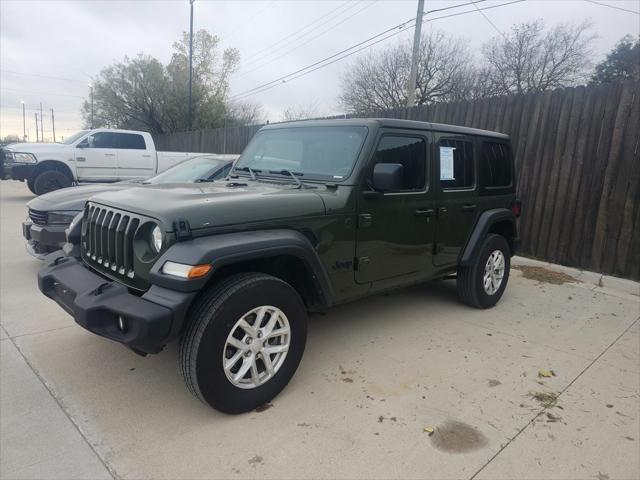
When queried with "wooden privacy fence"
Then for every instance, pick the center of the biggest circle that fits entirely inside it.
(578, 167)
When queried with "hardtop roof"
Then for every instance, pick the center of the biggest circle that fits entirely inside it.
(389, 123)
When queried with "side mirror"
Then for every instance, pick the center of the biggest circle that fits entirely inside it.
(387, 177)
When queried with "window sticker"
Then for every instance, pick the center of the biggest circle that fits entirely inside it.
(446, 163)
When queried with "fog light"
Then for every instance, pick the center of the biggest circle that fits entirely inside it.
(122, 325)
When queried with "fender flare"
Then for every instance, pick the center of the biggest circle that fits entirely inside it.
(53, 164)
(480, 230)
(229, 248)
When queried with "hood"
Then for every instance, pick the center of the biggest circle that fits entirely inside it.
(216, 204)
(73, 198)
(35, 147)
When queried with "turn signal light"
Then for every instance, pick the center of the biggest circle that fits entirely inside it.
(186, 271)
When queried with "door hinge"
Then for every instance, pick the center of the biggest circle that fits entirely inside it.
(365, 220)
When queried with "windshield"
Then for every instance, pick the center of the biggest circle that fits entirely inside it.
(74, 137)
(198, 168)
(324, 153)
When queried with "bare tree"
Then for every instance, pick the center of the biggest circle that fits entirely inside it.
(531, 59)
(245, 114)
(378, 81)
(300, 112)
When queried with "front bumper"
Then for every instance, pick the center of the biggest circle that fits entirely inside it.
(18, 171)
(43, 239)
(97, 304)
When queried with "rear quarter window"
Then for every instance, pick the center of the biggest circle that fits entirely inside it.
(496, 165)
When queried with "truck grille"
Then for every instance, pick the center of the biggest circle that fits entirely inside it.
(38, 217)
(107, 242)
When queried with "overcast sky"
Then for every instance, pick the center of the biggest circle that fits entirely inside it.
(74, 40)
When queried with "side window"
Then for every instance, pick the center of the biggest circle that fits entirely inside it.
(495, 165)
(102, 140)
(456, 163)
(411, 153)
(130, 141)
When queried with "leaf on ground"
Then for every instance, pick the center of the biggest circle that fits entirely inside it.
(428, 430)
(542, 373)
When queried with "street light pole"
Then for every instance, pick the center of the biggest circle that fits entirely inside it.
(24, 123)
(37, 138)
(53, 126)
(411, 85)
(41, 124)
(91, 97)
(189, 122)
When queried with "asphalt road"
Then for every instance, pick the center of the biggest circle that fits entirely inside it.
(375, 375)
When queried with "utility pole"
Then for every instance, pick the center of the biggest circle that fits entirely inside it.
(37, 139)
(24, 123)
(53, 126)
(91, 96)
(411, 85)
(189, 121)
(41, 124)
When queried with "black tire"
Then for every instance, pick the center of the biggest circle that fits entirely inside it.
(470, 281)
(50, 180)
(213, 317)
(31, 186)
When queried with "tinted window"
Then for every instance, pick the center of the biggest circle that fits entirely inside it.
(460, 175)
(198, 168)
(131, 141)
(103, 140)
(411, 153)
(495, 166)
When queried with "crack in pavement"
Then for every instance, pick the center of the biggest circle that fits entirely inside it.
(544, 409)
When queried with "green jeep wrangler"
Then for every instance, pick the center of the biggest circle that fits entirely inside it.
(313, 214)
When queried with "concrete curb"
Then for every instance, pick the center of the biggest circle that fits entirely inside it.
(597, 279)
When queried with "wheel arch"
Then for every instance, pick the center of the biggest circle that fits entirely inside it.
(57, 165)
(500, 221)
(285, 254)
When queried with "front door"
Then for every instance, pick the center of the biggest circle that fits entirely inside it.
(97, 158)
(457, 195)
(396, 228)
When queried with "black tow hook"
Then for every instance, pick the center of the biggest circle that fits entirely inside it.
(101, 288)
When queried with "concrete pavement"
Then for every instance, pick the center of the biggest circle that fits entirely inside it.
(375, 374)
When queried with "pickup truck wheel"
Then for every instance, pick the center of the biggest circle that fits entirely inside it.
(50, 180)
(482, 284)
(244, 342)
(30, 185)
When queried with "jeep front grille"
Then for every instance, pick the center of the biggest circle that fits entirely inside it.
(38, 217)
(107, 242)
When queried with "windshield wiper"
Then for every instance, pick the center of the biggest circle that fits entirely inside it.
(292, 175)
(251, 171)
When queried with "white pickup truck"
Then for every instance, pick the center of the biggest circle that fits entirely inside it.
(99, 155)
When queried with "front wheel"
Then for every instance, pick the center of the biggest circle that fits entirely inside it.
(244, 341)
(50, 180)
(482, 284)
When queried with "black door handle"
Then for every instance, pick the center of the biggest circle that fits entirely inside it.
(468, 208)
(425, 212)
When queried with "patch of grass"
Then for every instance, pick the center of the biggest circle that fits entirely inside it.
(546, 399)
(544, 275)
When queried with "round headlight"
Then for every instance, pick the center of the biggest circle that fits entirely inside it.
(156, 238)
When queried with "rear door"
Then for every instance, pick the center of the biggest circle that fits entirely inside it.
(396, 229)
(135, 158)
(457, 194)
(96, 158)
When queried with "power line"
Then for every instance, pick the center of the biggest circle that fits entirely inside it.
(612, 6)
(41, 76)
(297, 31)
(300, 37)
(335, 25)
(490, 22)
(41, 93)
(240, 26)
(350, 51)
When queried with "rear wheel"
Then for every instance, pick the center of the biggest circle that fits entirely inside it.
(50, 180)
(482, 284)
(244, 342)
